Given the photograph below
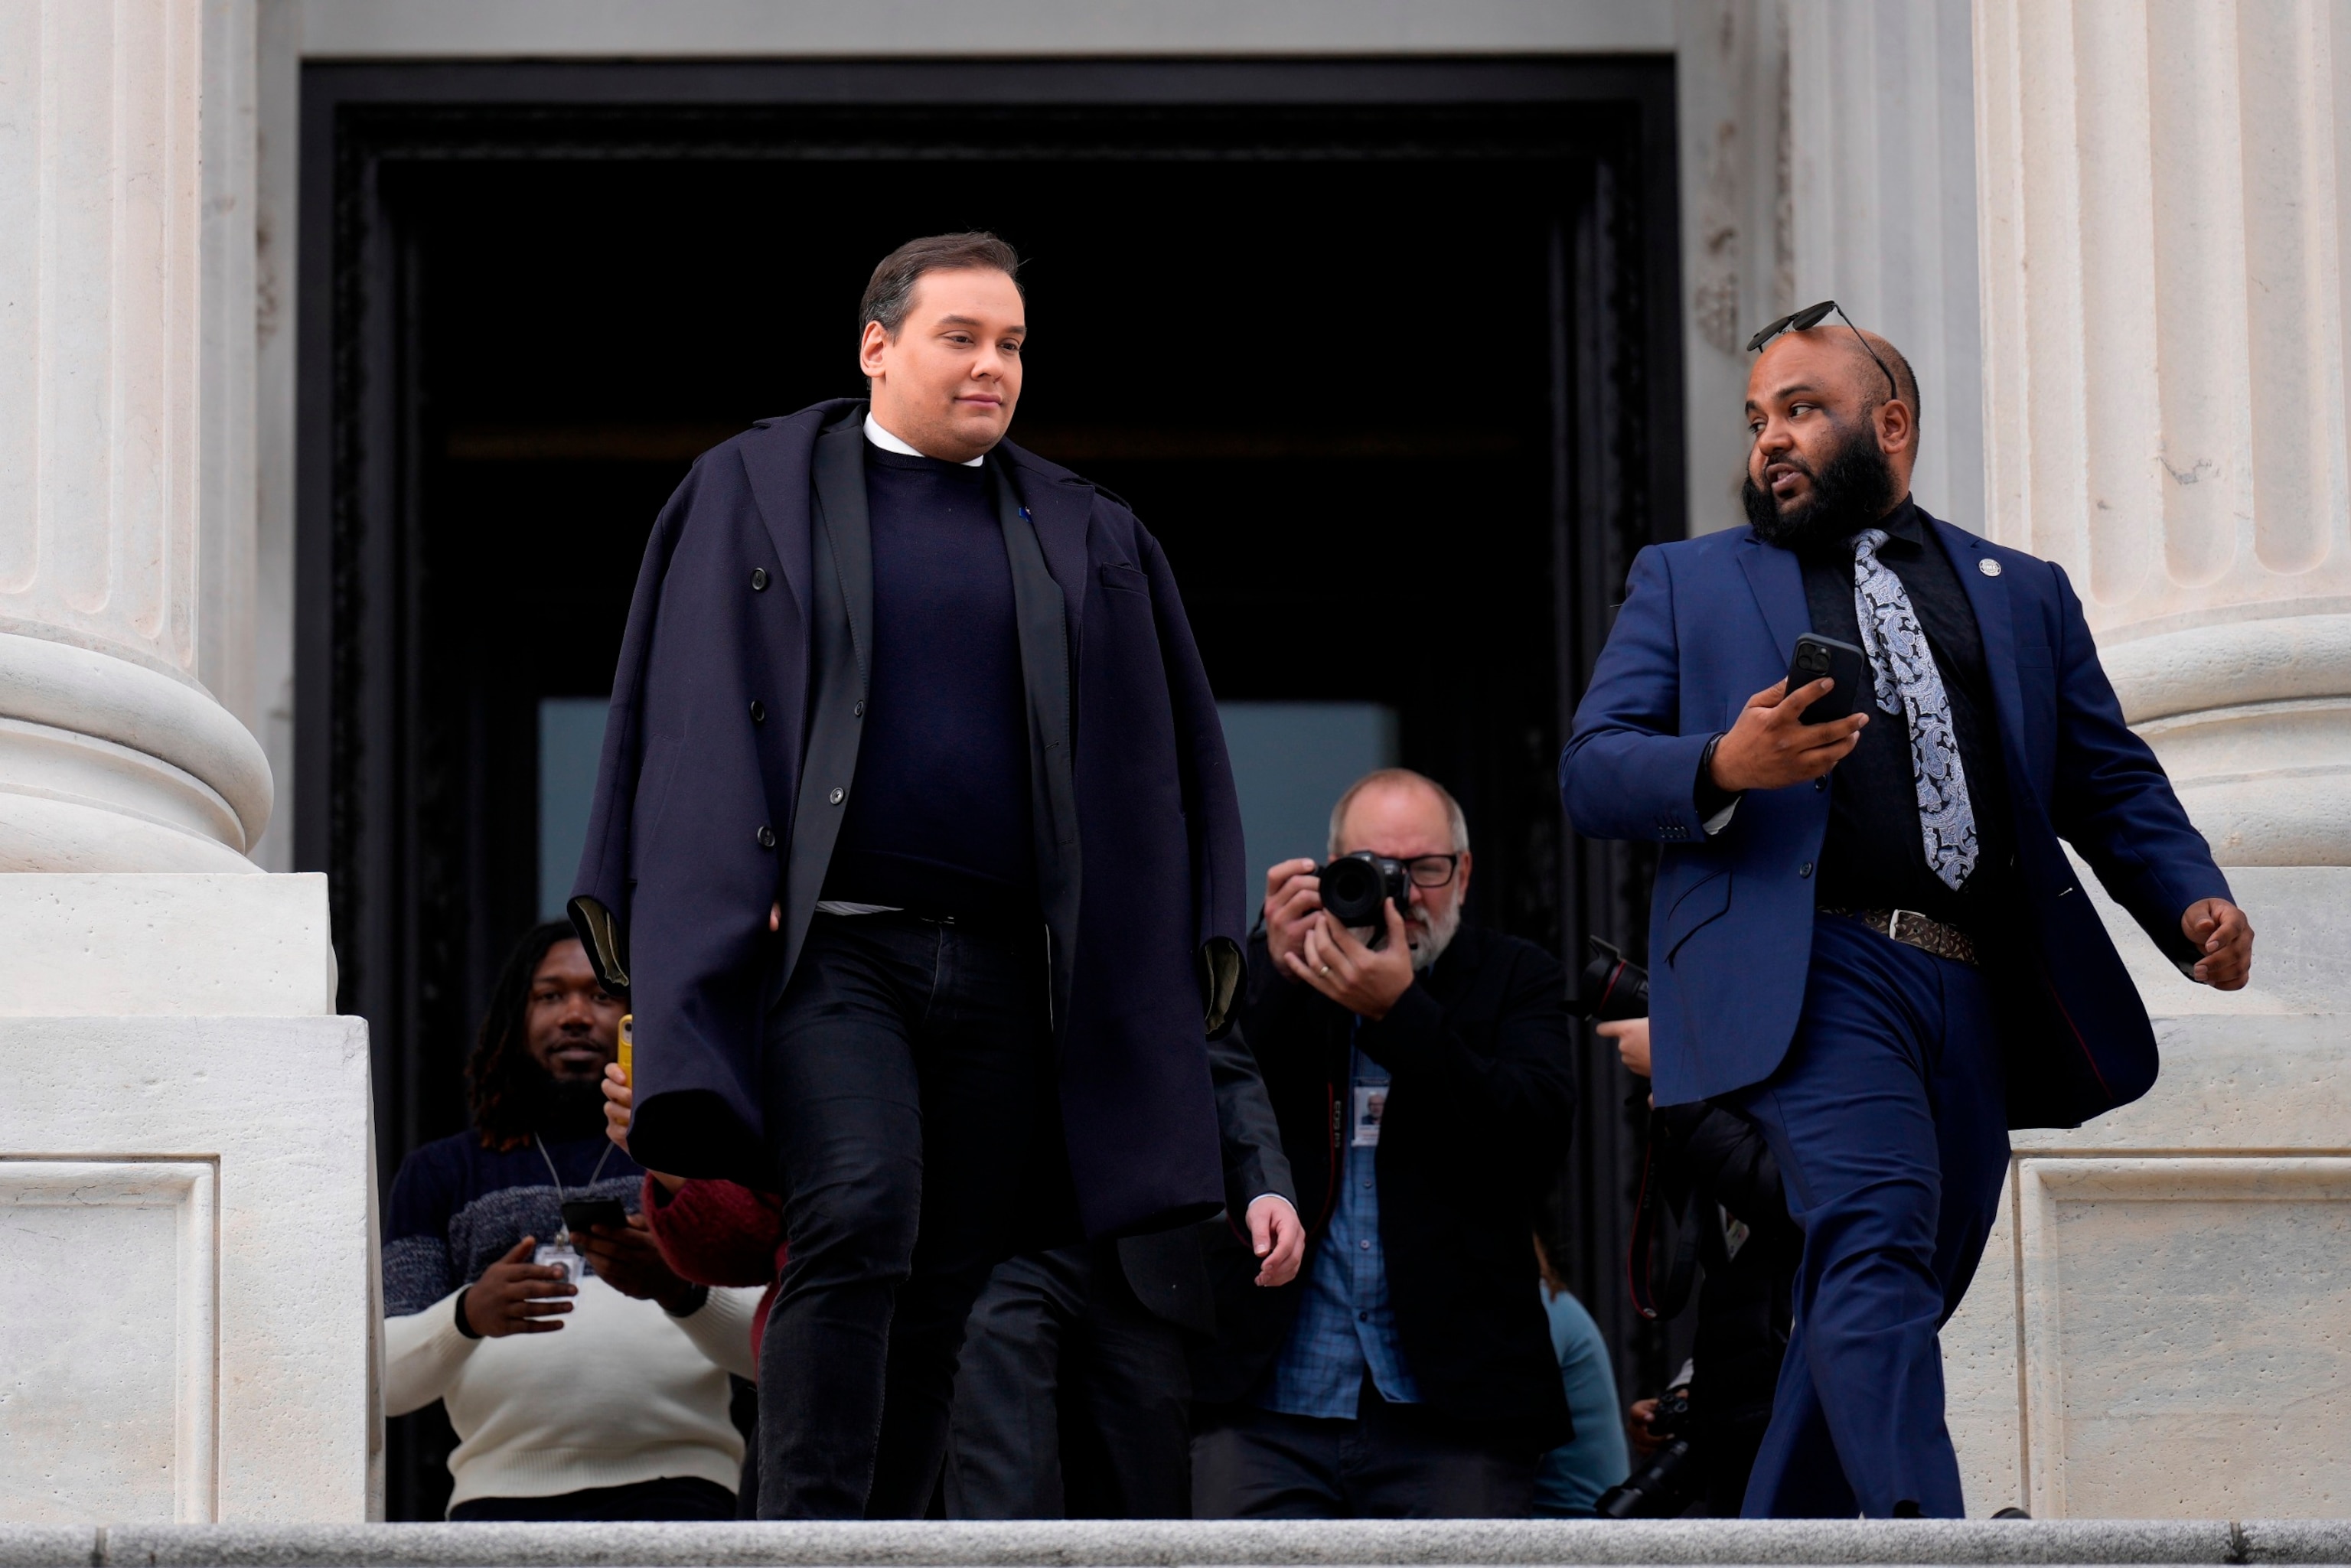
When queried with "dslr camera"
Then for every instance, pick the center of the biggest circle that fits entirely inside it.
(1670, 1482)
(1355, 886)
(1611, 988)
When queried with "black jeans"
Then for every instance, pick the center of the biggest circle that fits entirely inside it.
(906, 1074)
(1393, 1461)
(670, 1497)
(1073, 1398)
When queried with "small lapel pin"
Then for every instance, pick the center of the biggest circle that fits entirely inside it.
(1025, 517)
(1989, 567)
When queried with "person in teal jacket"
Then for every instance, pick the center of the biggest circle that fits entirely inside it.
(1572, 1476)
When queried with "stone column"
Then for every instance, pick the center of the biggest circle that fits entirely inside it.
(1881, 196)
(2163, 211)
(2154, 1331)
(119, 424)
(1730, 92)
(188, 1322)
(1828, 152)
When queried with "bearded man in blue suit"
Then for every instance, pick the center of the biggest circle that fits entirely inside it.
(1864, 934)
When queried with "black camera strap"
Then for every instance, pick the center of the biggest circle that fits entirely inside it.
(1654, 1214)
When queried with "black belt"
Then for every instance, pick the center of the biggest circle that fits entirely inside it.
(1913, 929)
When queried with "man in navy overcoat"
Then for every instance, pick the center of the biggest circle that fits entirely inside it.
(917, 849)
(1864, 933)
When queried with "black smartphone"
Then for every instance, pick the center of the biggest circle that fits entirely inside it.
(580, 1213)
(1842, 661)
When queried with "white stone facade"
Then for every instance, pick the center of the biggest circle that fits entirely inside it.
(187, 1237)
(188, 1313)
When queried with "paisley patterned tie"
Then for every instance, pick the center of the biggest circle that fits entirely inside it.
(1908, 683)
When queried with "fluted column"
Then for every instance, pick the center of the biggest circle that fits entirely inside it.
(2162, 206)
(1881, 196)
(113, 755)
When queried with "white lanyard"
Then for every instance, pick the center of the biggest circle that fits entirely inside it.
(563, 1237)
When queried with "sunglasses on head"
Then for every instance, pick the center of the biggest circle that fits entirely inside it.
(1811, 315)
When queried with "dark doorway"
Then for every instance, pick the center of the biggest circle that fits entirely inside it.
(1384, 354)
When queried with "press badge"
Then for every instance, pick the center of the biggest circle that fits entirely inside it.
(555, 1254)
(1370, 1100)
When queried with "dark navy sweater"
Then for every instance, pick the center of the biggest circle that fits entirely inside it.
(457, 1208)
(938, 815)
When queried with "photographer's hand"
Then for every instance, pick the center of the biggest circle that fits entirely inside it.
(1293, 895)
(1643, 1441)
(1771, 746)
(1364, 982)
(515, 1295)
(1632, 1038)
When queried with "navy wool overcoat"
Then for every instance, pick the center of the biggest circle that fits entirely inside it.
(694, 832)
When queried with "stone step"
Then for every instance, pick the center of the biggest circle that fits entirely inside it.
(1715, 1543)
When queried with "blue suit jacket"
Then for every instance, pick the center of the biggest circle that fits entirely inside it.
(1707, 622)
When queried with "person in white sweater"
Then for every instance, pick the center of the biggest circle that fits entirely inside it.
(585, 1380)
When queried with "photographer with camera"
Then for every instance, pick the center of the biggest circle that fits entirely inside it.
(1712, 1209)
(1422, 1074)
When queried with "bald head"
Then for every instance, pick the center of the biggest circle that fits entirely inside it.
(1834, 420)
(1858, 374)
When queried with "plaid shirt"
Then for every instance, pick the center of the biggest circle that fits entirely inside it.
(1347, 1325)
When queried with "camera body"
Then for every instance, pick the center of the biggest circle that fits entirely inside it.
(1667, 1484)
(1672, 1413)
(1356, 886)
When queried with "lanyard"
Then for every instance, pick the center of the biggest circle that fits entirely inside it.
(563, 1238)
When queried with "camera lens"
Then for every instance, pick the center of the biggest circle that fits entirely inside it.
(1353, 891)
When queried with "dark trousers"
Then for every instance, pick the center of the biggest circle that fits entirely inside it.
(1393, 1461)
(1888, 1119)
(1071, 1401)
(669, 1499)
(906, 1067)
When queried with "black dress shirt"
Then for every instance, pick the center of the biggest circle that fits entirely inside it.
(1875, 855)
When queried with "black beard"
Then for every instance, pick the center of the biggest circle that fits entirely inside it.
(1850, 492)
(559, 1109)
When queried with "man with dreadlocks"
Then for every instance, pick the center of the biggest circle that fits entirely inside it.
(585, 1379)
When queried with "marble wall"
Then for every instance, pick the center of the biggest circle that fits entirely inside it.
(2159, 1328)
(188, 1308)
(187, 1228)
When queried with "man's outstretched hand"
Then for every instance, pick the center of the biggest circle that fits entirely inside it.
(2225, 940)
(1277, 1237)
(1771, 746)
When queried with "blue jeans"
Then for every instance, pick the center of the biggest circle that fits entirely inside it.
(1889, 1122)
(908, 1074)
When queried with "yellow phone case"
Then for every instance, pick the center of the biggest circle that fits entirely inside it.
(628, 1048)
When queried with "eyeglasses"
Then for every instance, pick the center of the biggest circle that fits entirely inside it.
(1431, 871)
(1811, 315)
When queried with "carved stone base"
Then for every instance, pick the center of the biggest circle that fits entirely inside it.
(187, 1226)
(2158, 1330)
(112, 766)
(2252, 721)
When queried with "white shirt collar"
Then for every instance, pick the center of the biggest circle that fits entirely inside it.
(889, 443)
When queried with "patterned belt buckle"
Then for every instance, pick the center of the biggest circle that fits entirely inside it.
(1894, 928)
